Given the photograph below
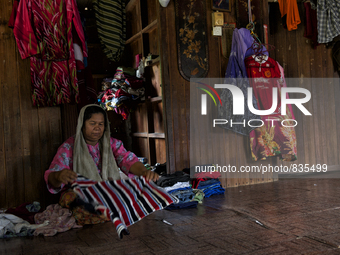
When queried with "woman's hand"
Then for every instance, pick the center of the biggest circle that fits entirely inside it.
(150, 175)
(65, 176)
(139, 169)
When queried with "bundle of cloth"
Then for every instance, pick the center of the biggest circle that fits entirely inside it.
(178, 185)
(119, 92)
(209, 183)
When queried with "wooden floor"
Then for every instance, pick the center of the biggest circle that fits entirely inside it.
(291, 216)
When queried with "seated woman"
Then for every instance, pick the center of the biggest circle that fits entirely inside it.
(93, 154)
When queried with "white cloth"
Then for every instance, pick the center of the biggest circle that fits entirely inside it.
(177, 186)
(11, 224)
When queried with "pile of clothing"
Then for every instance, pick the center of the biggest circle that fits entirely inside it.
(178, 185)
(29, 219)
(119, 92)
(211, 187)
(209, 183)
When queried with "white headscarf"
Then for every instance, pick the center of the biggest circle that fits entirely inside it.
(84, 164)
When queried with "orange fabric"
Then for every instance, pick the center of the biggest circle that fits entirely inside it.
(82, 216)
(290, 8)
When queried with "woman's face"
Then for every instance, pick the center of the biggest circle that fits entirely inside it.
(93, 129)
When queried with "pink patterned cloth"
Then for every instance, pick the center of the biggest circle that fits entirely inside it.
(44, 32)
(64, 159)
(60, 220)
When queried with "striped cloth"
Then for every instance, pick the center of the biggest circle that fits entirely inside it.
(125, 202)
(111, 26)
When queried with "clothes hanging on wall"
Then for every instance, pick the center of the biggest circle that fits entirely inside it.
(236, 74)
(289, 14)
(328, 20)
(43, 31)
(273, 138)
(111, 25)
(311, 26)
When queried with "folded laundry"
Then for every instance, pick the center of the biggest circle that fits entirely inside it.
(184, 196)
(171, 179)
(196, 182)
(178, 189)
(125, 201)
(177, 185)
(211, 189)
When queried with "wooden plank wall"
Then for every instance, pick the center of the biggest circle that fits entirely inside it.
(298, 59)
(177, 94)
(29, 136)
(317, 136)
(177, 89)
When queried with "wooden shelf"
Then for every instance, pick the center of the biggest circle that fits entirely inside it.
(156, 135)
(144, 134)
(147, 29)
(153, 62)
(150, 27)
(130, 5)
(150, 135)
(147, 121)
(133, 38)
(155, 99)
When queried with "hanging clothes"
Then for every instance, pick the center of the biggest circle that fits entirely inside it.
(111, 25)
(43, 31)
(328, 20)
(311, 28)
(289, 14)
(271, 139)
(236, 74)
(125, 202)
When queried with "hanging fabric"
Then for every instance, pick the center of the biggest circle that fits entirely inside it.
(311, 27)
(44, 33)
(272, 138)
(328, 20)
(236, 74)
(111, 26)
(289, 14)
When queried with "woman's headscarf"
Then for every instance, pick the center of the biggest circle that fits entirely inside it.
(83, 162)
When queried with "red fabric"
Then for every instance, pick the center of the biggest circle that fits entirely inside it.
(311, 26)
(13, 14)
(271, 139)
(134, 82)
(262, 88)
(201, 177)
(22, 212)
(120, 93)
(43, 32)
